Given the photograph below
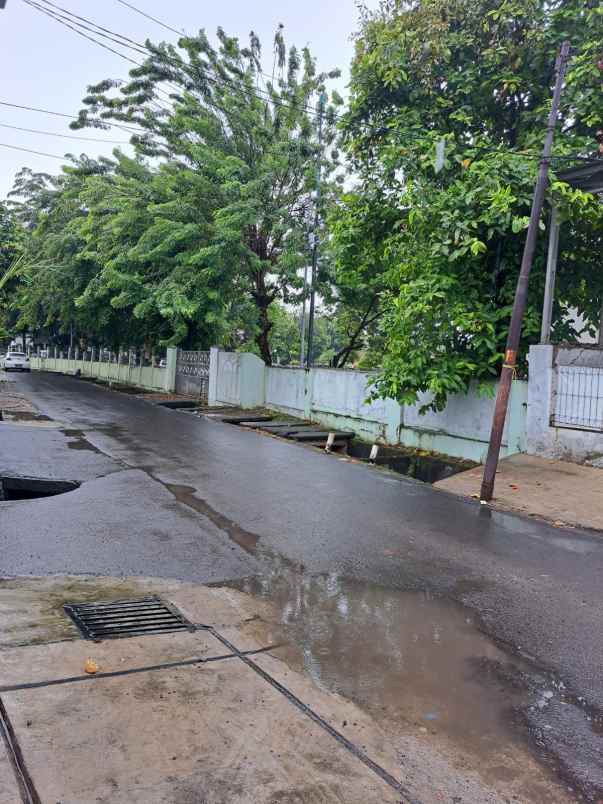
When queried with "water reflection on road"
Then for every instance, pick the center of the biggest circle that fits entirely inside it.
(414, 658)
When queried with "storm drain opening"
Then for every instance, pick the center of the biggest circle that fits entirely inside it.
(424, 466)
(126, 618)
(31, 488)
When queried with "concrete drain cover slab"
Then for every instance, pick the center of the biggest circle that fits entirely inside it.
(126, 618)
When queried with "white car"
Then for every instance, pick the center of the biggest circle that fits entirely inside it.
(16, 361)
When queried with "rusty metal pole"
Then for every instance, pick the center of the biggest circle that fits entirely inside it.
(521, 292)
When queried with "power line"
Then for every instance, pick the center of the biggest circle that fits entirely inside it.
(70, 116)
(35, 109)
(65, 136)
(258, 93)
(67, 25)
(492, 151)
(169, 28)
(61, 20)
(149, 17)
(31, 151)
(507, 152)
(95, 25)
(137, 47)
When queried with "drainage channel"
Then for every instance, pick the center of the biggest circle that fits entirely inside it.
(418, 464)
(316, 718)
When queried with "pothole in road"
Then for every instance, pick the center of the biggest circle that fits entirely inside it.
(31, 488)
(418, 663)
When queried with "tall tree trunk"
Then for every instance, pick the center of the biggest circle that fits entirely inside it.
(339, 358)
(262, 338)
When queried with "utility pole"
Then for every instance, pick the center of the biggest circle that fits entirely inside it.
(321, 107)
(521, 292)
(302, 323)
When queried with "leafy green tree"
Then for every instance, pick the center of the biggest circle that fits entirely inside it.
(9, 238)
(57, 268)
(145, 228)
(112, 255)
(249, 145)
(284, 335)
(476, 74)
(10, 250)
(359, 226)
(327, 340)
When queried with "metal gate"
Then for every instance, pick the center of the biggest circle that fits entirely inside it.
(192, 373)
(579, 398)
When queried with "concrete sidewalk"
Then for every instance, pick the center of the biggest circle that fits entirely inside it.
(562, 493)
(176, 718)
(154, 725)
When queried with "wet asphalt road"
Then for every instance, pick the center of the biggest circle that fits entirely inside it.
(533, 586)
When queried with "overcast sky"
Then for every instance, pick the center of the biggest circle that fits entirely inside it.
(46, 65)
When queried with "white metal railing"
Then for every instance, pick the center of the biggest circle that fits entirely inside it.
(579, 398)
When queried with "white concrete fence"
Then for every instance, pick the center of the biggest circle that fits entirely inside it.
(557, 414)
(337, 398)
(150, 378)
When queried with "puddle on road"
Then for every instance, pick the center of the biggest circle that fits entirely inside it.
(409, 658)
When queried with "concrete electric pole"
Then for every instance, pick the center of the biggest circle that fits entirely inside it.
(321, 108)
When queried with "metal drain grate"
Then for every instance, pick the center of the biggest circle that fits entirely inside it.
(124, 618)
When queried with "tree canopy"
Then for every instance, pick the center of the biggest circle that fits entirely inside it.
(10, 249)
(471, 79)
(208, 225)
(241, 152)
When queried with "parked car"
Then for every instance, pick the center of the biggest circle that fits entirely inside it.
(16, 361)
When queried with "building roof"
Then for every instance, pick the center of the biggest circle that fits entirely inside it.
(587, 177)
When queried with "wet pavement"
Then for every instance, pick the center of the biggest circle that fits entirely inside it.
(218, 725)
(386, 649)
(450, 617)
(566, 494)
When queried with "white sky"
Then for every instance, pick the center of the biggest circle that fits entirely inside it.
(49, 66)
